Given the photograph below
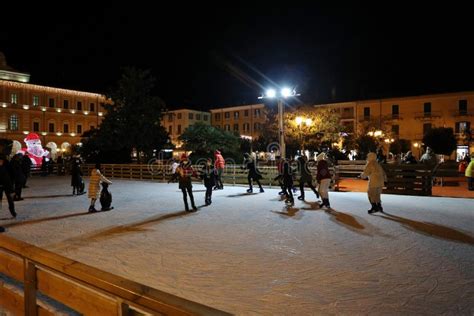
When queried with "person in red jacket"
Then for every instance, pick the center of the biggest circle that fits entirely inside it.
(324, 179)
(219, 165)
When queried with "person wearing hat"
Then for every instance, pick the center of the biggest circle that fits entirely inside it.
(94, 186)
(6, 184)
(469, 173)
(184, 172)
(324, 179)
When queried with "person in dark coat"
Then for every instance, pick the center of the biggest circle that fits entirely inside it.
(76, 177)
(208, 174)
(184, 172)
(26, 166)
(305, 177)
(288, 182)
(6, 184)
(18, 176)
(254, 174)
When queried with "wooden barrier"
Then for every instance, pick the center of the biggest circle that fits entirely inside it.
(413, 179)
(83, 288)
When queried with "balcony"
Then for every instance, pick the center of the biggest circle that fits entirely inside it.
(347, 116)
(393, 117)
(367, 118)
(427, 116)
(463, 113)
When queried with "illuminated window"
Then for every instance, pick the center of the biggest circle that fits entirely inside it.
(36, 100)
(14, 98)
(227, 127)
(13, 123)
(236, 115)
(256, 112)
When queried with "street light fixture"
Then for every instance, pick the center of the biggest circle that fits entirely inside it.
(284, 93)
(299, 120)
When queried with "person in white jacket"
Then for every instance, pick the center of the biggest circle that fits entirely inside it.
(377, 177)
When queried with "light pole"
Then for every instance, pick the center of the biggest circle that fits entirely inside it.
(284, 94)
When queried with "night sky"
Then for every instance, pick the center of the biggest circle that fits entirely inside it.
(212, 56)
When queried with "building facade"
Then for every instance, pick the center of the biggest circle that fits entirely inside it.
(177, 121)
(248, 120)
(411, 117)
(58, 116)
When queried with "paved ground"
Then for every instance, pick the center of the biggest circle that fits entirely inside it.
(249, 254)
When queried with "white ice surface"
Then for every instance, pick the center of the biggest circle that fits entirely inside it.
(249, 254)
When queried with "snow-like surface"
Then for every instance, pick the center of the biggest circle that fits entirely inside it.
(249, 254)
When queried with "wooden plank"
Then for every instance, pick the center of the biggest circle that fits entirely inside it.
(11, 301)
(30, 288)
(75, 296)
(11, 266)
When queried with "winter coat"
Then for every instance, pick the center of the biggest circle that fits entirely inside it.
(5, 179)
(374, 171)
(254, 173)
(76, 174)
(287, 174)
(209, 176)
(470, 170)
(322, 170)
(94, 183)
(219, 162)
(184, 172)
(304, 171)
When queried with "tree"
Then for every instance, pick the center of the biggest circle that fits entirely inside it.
(132, 121)
(400, 146)
(203, 139)
(317, 126)
(364, 144)
(441, 140)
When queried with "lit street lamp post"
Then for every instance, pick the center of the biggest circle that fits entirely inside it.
(284, 93)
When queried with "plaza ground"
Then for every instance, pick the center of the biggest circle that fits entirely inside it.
(250, 254)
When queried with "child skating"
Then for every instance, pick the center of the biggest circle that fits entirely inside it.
(94, 186)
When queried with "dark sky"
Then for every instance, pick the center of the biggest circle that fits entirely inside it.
(211, 56)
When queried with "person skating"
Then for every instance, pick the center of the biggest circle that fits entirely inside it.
(94, 186)
(288, 182)
(219, 165)
(208, 174)
(6, 184)
(377, 177)
(324, 179)
(305, 177)
(184, 172)
(469, 173)
(254, 174)
(76, 177)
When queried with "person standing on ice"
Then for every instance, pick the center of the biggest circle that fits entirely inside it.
(288, 182)
(209, 176)
(254, 174)
(377, 177)
(324, 179)
(94, 186)
(219, 165)
(184, 172)
(305, 177)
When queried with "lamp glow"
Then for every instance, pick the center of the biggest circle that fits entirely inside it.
(298, 120)
(308, 122)
(286, 92)
(271, 93)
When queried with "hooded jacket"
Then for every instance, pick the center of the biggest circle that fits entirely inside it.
(219, 160)
(374, 172)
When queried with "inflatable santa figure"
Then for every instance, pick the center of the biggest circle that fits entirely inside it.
(34, 149)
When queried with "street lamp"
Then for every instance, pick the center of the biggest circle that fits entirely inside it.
(284, 93)
(299, 120)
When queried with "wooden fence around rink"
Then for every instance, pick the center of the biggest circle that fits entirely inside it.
(85, 289)
(232, 175)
